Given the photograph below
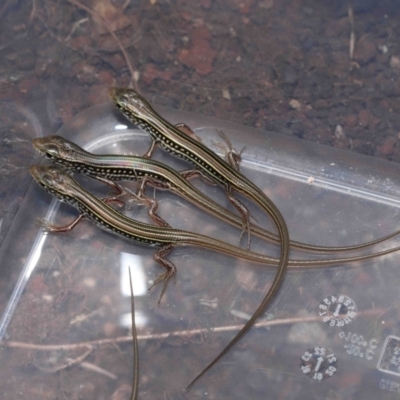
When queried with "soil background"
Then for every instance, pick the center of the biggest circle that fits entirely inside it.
(322, 71)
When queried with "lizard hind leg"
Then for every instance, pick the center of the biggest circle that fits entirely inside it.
(245, 216)
(159, 256)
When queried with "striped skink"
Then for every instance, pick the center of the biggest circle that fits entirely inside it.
(184, 146)
(107, 167)
(57, 182)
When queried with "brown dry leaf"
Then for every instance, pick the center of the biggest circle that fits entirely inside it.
(200, 55)
(151, 72)
(116, 20)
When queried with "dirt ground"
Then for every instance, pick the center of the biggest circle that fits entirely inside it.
(323, 71)
(310, 69)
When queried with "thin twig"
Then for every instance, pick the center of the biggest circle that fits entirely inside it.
(69, 362)
(352, 33)
(55, 36)
(33, 12)
(95, 368)
(75, 26)
(183, 333)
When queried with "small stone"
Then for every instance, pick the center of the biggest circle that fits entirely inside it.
(225, 94)
(383, 48)
(395, 62)
(295, 104)
(387, 147)
(339, 132)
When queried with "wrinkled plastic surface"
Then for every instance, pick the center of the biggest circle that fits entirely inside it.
(330, 333)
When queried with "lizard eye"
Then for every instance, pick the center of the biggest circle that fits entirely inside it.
(47, 179)
(51, 151)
